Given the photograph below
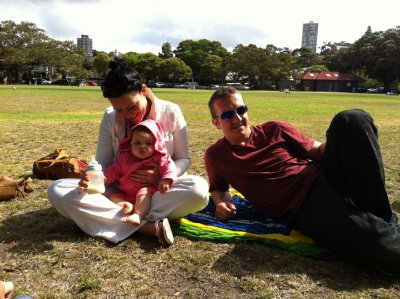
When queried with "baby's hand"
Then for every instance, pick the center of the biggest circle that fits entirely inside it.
(163, 186)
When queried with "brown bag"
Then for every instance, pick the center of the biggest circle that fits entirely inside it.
(11, 188)
(58, 165)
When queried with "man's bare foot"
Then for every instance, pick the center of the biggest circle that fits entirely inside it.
(127, 208)
(132, 219)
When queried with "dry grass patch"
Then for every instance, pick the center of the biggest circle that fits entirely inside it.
(47, 256)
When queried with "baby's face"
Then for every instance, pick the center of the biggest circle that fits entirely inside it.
(142, 144)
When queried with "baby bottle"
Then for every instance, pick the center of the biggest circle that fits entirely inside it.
(96, 177)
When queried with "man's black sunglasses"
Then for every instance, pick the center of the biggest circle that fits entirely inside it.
(227, 115)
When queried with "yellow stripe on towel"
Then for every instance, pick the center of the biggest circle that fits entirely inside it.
(294, 237)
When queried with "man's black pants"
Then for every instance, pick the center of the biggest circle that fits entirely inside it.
(347, 209)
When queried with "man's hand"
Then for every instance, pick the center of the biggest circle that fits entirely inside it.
(225, 210)
(149, 175)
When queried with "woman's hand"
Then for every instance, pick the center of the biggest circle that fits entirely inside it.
(149, 175)
(83, 183)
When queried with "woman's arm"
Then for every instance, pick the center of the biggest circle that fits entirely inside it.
(181, 150)
(105, 153)
(170, 116)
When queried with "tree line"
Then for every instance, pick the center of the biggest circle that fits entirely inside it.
(374, 58)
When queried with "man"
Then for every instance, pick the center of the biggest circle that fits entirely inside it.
(334, 191)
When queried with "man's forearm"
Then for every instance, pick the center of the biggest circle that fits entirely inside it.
(220, 196)
(317, 151)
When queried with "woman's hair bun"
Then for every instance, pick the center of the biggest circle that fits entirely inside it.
(117, 64)
(120, 79)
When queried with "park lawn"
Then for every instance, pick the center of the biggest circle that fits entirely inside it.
(47, 256)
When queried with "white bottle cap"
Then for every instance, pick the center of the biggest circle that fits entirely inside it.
(93, 165)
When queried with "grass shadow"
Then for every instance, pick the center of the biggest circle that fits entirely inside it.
(34, 231)
(147, 243)
(257, 259)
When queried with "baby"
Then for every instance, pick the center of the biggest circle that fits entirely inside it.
(145, 145)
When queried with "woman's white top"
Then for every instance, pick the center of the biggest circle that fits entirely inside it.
(113, 129)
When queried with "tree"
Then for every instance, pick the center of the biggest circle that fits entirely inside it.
(334, 55)
(101, 62)
(174, 69)
(24, 46)
(148, 65)
(131, 58)
(260, 66)
(377, 55)
(16, 46)
(194, 53)
(166, 51)
(247, 62)
(212, 69)
(317, 68)
(305, 57)
(67, 58)
(281, 62)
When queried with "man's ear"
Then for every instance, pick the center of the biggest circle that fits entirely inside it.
(216, 123)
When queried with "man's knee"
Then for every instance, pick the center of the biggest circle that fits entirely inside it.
(352, 121)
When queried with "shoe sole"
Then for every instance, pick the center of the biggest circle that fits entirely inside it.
(168, 236)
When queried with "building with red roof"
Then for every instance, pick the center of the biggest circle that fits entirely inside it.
(327, 81)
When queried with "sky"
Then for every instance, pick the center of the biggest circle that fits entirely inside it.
(143, 26)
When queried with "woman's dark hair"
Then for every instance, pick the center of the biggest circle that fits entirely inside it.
(120, 79)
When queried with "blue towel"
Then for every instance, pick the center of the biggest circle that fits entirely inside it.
(249, 224)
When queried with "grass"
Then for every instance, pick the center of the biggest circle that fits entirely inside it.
(47, 256)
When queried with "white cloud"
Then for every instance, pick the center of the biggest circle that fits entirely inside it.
(128, 25)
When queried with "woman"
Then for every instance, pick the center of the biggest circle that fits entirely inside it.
(131, 103)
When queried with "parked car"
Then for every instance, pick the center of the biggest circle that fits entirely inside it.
(90, 83)
(168, 85)
(375, 90)
(215, 86)
(61, 82)
(160, 84)
(238, 86)
(191, 85)
(46, 82)
(35, 81)
(243, 87)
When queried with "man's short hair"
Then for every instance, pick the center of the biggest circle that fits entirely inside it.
(221, 92)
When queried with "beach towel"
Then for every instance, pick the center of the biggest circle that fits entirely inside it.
(249, 224)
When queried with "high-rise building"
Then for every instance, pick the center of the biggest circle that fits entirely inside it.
(310, 35)
(85, 42)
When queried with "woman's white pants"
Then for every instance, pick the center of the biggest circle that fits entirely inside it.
(98, 216)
